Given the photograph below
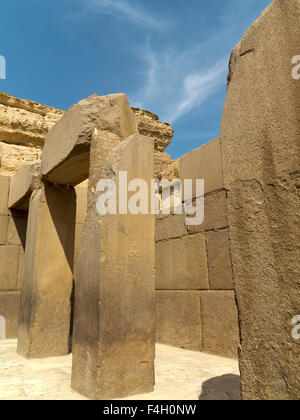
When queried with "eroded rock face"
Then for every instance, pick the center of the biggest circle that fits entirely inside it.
(13, 157)
(25, 122)
(23, 127)
(149, 125)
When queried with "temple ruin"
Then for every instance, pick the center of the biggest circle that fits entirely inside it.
(106, 288)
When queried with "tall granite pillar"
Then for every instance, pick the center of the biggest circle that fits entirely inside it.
(44, 323)
(113, 342)
(260, 138)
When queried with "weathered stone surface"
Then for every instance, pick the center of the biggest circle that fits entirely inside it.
(25, 122)
(172, 171)
(16, 232)
(204, 163)
(215, 216)
(26, 180)
(161, 162)
(3, 229)
(219, 260)
(260, 144)
(178, 319)
(12, 157)
(181, 264)
(9, 308)
(68, 142)
(170, 227)
(150, 126)
(4, 189)
(113, 340)
(220, 323)
(9, 259)
(81, 210)
(81, 202)
(174, 226)
(23, 127)
(48, 278)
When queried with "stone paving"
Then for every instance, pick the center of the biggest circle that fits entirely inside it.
(180, 375)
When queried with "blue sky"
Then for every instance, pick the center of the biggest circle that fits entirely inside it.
(168, 56)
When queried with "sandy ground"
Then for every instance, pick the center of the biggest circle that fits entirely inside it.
(180, 375)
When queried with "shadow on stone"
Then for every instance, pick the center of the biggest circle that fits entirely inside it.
(226, 387)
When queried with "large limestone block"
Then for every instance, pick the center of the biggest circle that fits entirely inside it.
(215, 216)
(219, 260)
(114, 328)
(260, 145)
(26, 180)
(174, 225)
(9, 260)
(170, 226)
(220, 323)
(182, 264)
(178, 319)
(9, 309)
(204, 163)
(48, 278)
(4, 191)
(66, 154)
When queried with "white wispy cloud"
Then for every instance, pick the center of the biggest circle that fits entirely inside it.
(177, 82)
(127, 10)
(180, 79)
(174, 78)
(197, 87)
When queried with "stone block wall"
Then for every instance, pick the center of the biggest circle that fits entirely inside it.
(195, 306)
(195, 301)
(23, 127)
(12, 245)
(13, 225)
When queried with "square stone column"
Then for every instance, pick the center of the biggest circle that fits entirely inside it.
(48, 279)
(114, 339)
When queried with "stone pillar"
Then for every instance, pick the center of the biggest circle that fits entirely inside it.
(44, 323)
(113, 342)
(260, 143)
(12, 243)
(48, 276)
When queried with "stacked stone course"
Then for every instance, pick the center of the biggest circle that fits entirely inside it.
(195, 300)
